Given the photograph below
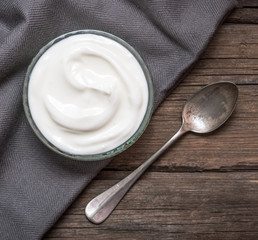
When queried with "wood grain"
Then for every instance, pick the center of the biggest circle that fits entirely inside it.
(185, 206)
(205, 186)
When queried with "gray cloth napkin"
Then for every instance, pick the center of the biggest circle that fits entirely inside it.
(37, 185)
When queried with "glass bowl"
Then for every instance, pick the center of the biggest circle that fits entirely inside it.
(116, 150)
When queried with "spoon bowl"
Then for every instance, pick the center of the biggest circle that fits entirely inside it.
(209, 108)
(204, 112)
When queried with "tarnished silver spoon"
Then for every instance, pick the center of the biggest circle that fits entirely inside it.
(204, 112)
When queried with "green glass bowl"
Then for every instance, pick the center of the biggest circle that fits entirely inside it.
(123, 146)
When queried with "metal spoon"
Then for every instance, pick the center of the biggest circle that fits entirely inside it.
(204, 112)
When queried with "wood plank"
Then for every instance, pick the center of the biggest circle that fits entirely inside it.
(236, 33)
(248, 3)
(234, 41)
(186, 206)
(207, 67)
(202, 79)
(244, 15)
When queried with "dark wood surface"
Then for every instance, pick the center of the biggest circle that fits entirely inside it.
(205, 186)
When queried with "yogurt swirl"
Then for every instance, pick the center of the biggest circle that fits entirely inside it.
(87, 94)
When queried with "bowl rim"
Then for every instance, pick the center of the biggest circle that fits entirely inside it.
(122, 147)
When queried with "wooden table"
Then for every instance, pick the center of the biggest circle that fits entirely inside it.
(205, 186)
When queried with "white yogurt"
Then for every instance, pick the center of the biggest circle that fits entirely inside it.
(87, 94)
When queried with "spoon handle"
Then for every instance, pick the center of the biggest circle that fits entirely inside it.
(100, 207)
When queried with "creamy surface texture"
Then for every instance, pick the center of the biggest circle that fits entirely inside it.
(87, 94)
